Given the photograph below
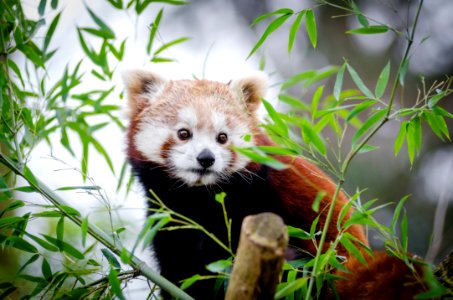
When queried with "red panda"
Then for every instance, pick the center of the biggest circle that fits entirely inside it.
(180, 141)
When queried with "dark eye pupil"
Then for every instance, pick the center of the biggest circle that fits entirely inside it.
(222, 138)
(183, 134)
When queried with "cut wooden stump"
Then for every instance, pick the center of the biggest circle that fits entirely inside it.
(259, 259)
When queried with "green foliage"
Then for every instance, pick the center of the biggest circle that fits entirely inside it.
(336, 126)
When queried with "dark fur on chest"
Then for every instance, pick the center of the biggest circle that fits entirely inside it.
(186, 252)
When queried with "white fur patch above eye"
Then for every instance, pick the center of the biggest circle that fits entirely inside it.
(187, 117)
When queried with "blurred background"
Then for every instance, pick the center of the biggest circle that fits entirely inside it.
(220, 39)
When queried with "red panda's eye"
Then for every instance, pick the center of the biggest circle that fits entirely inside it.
(184, 134)
(222, 138)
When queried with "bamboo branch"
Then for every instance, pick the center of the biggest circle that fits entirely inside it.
(98, 234)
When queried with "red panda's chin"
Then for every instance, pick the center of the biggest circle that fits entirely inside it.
(197, 178)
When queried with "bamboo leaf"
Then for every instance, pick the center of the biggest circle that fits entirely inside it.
(294, 28)
(373, 29)
(375, 117)
(46, 270)
(397, 212)
(281, 11)
(382, 81)
(152, 33)
(294, 102)
(319, 196)
(360, 17)
(315, 100)
(291, 288)
(310, 24)
(358, 81)
(313, 138)
(399, 141)
(404, 233)
(42, 7)
(271, 28)
(360, 108)
(345, 240)
(339, 82)
(115, 284)
(111, 258)
(170, 44)
(51, 31)
(104, 28)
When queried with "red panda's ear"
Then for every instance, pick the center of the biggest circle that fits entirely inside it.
(142, 87)
(250, 89)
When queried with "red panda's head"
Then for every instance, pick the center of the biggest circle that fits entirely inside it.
(189, 127)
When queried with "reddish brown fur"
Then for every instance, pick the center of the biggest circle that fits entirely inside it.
(298, 187)
(384, 277)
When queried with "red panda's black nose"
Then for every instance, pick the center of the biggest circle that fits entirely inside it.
(206, 158)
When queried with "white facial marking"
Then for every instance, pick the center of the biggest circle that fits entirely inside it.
(181, 159)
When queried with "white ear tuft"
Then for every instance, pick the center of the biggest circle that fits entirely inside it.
(142, 86)
(250, 89)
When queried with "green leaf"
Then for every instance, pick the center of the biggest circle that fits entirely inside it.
(294, 28)
(315, 100)
(271, 28)
(161, 60)
(51, 31)
(31, 260)
(104, 28)
(219, 266)
(152, 33)
(69, 210)
(382, 81)
(373, 29)
(84, 230)
(310, 24)
(360, 108)
(298, 233)
(21, 244)
(436, 123)
(399, 141)
(281, 11)
(367, 148)
(346, 240)
(220, 197)
(417, 128)
(60, 231)
(111, 258)
(42, 7)
(189, 281)
(360, 17)
(54, 4)
(291, 288)
(170, 44)
(403, 71)
(294, 102)
(65, 247)
(28, 175)
(375, 117)
(404, 233)
(436, 98)
(339, 82)
(81, 187)
(115, 284)
(46, 270)
(313, 138)
(358, 81)
(42, 243)
(319, 196)
(260, 157)
(397, 212)
(278, 121)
